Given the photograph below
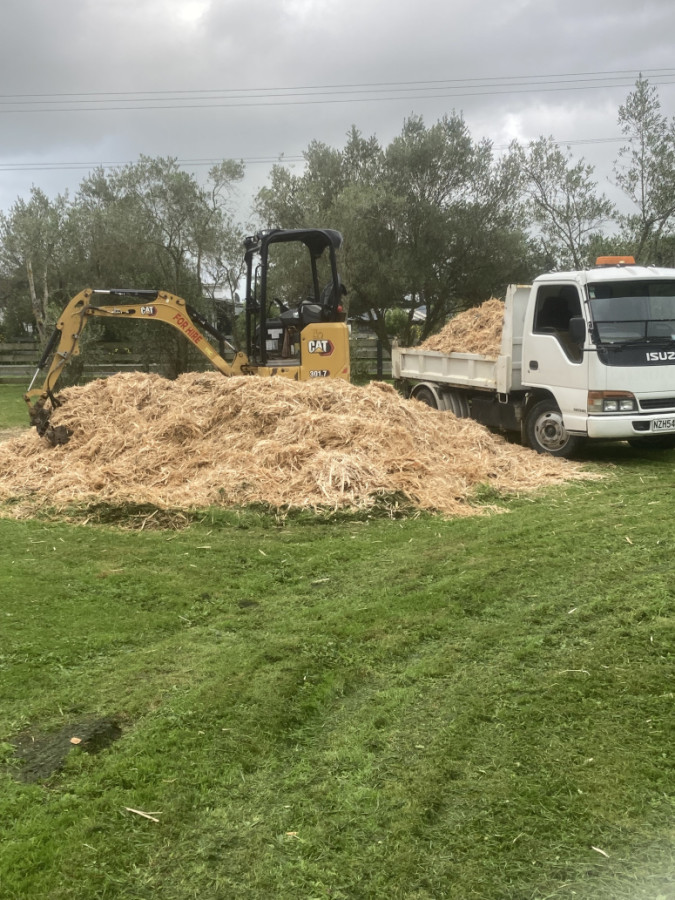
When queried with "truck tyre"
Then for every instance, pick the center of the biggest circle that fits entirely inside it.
(546, 431)
(426, 395)
(457, 403)
(660, 442)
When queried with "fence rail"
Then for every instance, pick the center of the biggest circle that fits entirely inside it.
(369, 355)
(19, 360)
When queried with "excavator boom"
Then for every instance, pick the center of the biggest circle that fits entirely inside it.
(158, 306)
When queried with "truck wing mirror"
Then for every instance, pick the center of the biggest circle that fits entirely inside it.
(577, 330)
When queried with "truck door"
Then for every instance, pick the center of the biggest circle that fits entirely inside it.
(551, 359)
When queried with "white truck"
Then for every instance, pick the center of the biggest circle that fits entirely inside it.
(587, 354)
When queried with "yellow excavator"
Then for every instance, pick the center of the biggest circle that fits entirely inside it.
(306, 341)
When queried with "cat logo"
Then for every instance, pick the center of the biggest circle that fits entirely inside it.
(148, 310)
(323, 348)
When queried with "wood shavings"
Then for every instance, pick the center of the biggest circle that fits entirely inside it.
(204, 440)
(476, 330)
(139, 812)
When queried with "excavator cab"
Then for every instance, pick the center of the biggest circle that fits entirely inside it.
(302, 326)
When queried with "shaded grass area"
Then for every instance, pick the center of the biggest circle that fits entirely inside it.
(399, 709)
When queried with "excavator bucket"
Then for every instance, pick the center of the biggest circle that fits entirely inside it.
(40, 419)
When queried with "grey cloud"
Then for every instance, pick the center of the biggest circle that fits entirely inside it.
(189, 45)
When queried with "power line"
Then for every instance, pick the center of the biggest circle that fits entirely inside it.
(309, 94)
(321, 94)
(187, 163)
(283, 102)
(281, 159)
(611, 74)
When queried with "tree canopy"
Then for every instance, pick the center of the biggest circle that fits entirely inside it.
(145, 225)
(433, 220)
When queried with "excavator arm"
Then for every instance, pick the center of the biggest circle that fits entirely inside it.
(155, 306)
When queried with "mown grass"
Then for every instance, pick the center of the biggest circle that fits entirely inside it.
(480, 708)
(13, 409)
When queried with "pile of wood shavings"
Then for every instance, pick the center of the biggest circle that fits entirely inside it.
(477, 330)
(206, 440)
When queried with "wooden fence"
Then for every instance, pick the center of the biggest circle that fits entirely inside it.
(369, 356)
(18, 360)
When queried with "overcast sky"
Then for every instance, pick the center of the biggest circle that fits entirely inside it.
(87, 82)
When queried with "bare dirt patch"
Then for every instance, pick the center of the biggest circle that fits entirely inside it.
(41, 755)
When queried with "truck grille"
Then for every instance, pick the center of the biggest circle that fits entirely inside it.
(657, 403)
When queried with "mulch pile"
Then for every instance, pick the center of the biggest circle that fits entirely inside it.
(206, 440)
(477, 330)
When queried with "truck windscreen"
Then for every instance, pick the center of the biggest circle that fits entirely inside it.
(630, 311)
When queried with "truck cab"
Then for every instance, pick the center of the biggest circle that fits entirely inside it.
(599, 348)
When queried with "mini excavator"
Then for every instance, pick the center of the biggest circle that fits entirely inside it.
(304, 342)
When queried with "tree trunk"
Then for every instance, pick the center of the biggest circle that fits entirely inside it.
(39, 310)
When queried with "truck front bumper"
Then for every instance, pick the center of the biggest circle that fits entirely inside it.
(629, 426)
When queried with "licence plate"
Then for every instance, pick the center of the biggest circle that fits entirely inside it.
(663, 424)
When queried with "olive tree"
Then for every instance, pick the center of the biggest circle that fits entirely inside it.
(33, 253)
(567, 211)
(431, 220)
(645, 172)
(146, 225)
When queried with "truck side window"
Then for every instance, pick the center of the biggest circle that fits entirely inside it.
(555, 306)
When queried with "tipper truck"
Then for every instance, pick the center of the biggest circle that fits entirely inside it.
(584, 355)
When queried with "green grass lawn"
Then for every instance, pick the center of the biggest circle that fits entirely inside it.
(364, 708)
(13, 409)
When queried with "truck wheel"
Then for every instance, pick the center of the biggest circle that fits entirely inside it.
(660, 442)
(426, 395)
(457, 403)
(546, 432)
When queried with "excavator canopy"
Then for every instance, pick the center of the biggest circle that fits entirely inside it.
(315, 239)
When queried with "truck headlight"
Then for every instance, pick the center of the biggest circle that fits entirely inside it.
(611, 402)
